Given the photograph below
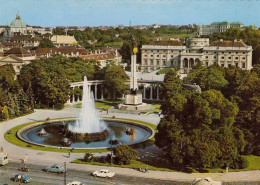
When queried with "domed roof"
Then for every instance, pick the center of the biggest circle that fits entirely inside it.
(18, 22)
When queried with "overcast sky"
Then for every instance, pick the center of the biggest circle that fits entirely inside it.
(139, 12)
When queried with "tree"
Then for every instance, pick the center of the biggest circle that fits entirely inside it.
(46, 43)
(5, 114)
(115, 79)
(124, 154)
(192, 132)
(207, 78)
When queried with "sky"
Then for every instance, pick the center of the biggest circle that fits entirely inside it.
(51, 13)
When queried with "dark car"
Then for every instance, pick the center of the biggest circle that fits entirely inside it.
(20, 177)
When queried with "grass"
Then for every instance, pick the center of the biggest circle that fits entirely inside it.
(103, 105)
(134, 165)
(253, 164)
(10, 136)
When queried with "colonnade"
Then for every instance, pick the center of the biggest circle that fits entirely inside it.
(150, 89)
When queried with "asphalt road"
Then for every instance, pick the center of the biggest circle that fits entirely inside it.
(40, 177)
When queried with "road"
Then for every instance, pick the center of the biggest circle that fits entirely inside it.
(40, 177)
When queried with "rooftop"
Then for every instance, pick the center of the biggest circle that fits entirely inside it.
(167, 43)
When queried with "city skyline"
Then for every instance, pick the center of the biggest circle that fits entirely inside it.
(49, 13)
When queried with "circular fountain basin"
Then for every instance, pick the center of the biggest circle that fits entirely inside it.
(117, 129)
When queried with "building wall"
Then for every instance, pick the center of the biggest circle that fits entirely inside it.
(155, 57)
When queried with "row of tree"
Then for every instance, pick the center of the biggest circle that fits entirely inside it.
(49, 79)
(213, 128)
(14, 101)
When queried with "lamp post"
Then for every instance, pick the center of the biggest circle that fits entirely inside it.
(111, 142)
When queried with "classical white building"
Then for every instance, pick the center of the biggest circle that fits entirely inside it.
(175, 53)
(218, 27)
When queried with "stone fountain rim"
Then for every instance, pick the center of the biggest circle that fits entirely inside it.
(146, 127)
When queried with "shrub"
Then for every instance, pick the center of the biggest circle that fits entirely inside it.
(239, 163)
(124, 154)
(89, 157)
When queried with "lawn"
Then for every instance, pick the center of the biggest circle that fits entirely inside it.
(134, 165)
(103, 105)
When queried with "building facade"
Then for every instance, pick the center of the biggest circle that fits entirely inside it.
(18, 26)
(218, 27)
(163, 54)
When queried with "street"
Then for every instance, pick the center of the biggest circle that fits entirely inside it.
(40, 177)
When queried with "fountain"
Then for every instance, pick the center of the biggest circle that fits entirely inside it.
(88, 121)
(87, 131)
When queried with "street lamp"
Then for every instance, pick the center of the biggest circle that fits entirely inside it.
(112, 140)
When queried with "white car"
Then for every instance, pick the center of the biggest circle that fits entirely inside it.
(104, 173)
(75, 183)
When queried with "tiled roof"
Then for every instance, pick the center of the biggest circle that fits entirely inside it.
(103, 56)
(19, 52)
(227, 44)
(12, 44)
(167, 43)
(42, 50)
(17, 38)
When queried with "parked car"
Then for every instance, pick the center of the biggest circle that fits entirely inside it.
(20, 177)
(75, 183)
(56, 168)
(104, 173)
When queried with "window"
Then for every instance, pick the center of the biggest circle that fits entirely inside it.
(222, 65)
(215, 57)
(179, 51)
(158, 55)
(164, 63)
(158, 51)
(244, 53)
(145, 55)
(164, 55)
(229, 65)
(206, 52)
(207, 56)
(222, 57)
(171, 55)
(215, 52)
(243, 65)
(207, 64)
(244, 58)
(151, 55)
(223, 52)
(229, 57)
(151, 50)
(229, 52)
(236, 58)
(236, 52)
(158, 63)
(236, 64)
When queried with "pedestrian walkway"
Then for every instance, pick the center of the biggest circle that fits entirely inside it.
(45, 158)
